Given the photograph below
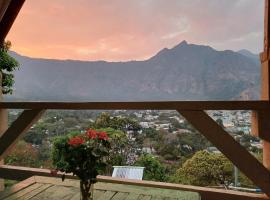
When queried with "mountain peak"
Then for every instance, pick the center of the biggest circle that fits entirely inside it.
(182, 44)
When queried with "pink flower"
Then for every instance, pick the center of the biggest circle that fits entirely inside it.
(76, 141)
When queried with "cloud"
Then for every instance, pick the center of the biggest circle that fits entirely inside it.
(133, 29)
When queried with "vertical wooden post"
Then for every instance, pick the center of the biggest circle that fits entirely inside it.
(261, 119)
(3, 125)
(265, 93)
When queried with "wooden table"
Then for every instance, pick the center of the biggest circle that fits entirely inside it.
(40, 188)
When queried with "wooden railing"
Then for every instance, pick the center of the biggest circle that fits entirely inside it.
(22, 173)
(193, 111)
(148, 105)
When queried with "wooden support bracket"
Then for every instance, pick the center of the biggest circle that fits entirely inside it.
(9, 17)
(247, 163)
(17, 130)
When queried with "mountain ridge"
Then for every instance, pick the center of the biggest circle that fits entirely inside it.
(184, 72)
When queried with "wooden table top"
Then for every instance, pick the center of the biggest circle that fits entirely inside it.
(40, 188)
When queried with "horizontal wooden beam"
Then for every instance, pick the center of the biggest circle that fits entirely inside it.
(20, 173)
(247, 163)
(155, 105)
(17, 130)
(9, 17)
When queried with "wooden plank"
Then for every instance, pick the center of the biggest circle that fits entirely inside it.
(157, 198)
(144, 197)
(25, 191)
(260, 124)
(98, 193)
(9, 17)
(17, 130)
(120, 196)
(34, 193)
(17, 187)
(132, 196)
(125, 188)
(265, 76)
(265, 88)
(22, 173)
(147, 105)
(247, 163)
(107, 195)
(76, 196)
(56, 192)
(266, 26)
(217, 193)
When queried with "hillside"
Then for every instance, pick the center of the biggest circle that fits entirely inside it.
(184, 72)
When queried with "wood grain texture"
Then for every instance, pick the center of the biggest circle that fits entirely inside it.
(155, 105)
(247, 163)
(260, 126)
(70, 190)
(217, 193)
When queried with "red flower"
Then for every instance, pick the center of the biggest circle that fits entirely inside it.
(103, 136)
(92, 134)
(76, 141)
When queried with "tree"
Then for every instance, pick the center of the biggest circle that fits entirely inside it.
(125, 128)
(124, 124)
(153, 170)
(167, 145)
(7, 65)
(205, 169)
(24, 154)
(120, 148)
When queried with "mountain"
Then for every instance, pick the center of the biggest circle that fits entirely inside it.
(184, 72)
(254, 57)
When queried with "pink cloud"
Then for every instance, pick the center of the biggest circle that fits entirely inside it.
(128, 29)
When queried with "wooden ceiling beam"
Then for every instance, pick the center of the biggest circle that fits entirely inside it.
(247, 163)
(9, 16)
(3, 7)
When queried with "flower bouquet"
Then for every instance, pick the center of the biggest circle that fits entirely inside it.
(83, 155)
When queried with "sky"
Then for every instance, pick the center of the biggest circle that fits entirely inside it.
(122, 30)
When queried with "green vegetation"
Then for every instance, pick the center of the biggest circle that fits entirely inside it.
(205, 169)
(153, 170)
(23, 155)
(7, 65)
(176, 154)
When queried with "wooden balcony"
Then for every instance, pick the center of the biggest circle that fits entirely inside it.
(41, 184)
(194, 112)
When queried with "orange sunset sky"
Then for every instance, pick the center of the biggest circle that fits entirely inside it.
(120, 30)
